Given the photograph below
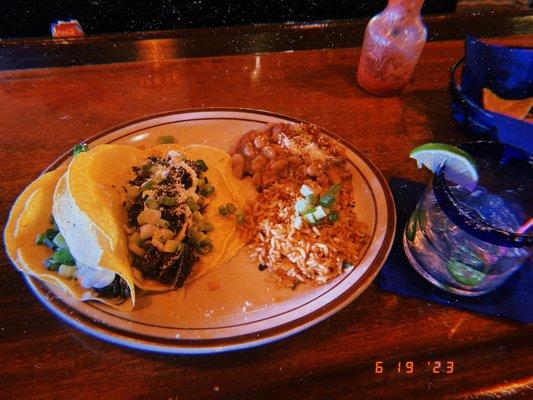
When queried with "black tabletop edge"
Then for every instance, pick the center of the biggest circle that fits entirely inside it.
(163, 45)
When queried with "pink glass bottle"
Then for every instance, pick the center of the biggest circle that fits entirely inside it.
(393, 42)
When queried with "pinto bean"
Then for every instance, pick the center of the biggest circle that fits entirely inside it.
(278, 149)
(314, 169)
(334, 174)
(277, 128)
(300, 171)
(240, 143)
(323, 181)
(268, 152)
(293, 160)
(278, 165)
(248, 150)
(256, 179)
(277, 132)
(268, 128)
(258, 163)
(237, 165)
(260, 141)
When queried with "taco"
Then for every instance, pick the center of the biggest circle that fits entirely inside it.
(51, 237)
(177, 233)
(122, 216)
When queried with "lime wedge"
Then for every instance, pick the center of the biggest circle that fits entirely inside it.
(410, 228)
(460, 166)
(465, 274)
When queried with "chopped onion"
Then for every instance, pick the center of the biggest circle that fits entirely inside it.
(319, 213)
(67, 271)
(147, 231)
(149, 216)
(306, 191)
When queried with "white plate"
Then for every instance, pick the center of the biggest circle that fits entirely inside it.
(236, 306)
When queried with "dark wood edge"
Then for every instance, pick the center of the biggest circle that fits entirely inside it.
(208, 42)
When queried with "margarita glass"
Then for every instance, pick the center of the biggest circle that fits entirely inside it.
(469, 241)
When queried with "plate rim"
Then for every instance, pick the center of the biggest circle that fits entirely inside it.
(131, 339)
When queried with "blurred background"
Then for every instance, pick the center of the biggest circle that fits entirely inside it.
(32, 18)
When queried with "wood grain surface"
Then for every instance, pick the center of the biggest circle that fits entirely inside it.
(43, 113)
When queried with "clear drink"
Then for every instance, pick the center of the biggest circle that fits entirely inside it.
(470, 242)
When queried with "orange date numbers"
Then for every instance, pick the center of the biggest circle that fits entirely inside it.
(408, 367)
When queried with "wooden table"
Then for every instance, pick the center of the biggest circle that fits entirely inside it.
(44, 112)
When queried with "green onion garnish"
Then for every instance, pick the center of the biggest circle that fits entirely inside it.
(204, 247)
(327, 200)
(46, 238)
(333, 217)
(195, 236)
(222, 210)
(205, 226)
(179, 248)
(347, 265)
(41, 238)
(79, 148)
(329, 197)
(63, 256)
(168, 201)
(207, 190)
(191, 203)
(310, 210)
(202, 166)
(334, 189)
(201, 182)
(51, 265)
(312, 199)
(151, 203)
(59, 241)
(166, 139)
(148, 185)
(239, 216)
(230, 208)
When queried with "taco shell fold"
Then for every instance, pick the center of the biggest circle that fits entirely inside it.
(29, 217)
